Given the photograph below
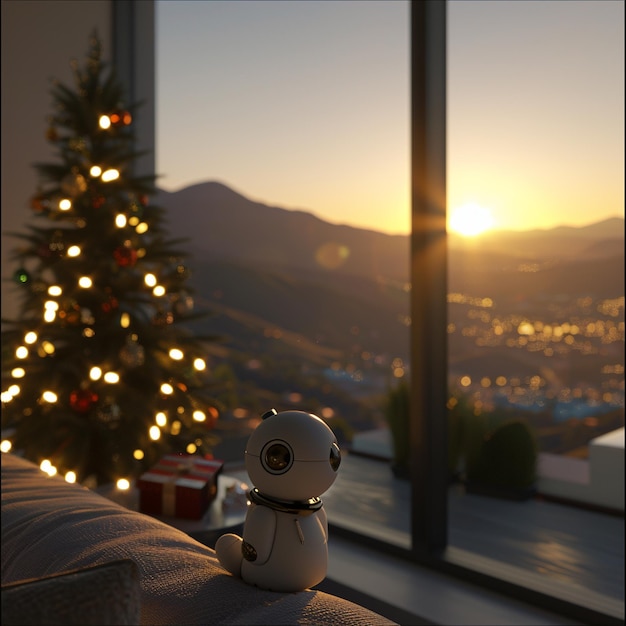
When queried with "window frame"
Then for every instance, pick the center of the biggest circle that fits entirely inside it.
(133, 44)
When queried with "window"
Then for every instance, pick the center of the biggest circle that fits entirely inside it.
(423, 534)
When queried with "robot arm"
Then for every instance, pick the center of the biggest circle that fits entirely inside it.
(258, 535)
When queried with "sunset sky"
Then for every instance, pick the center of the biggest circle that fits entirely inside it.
(305, 105)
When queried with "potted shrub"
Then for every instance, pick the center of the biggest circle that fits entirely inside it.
(506, 465)
(397, 415)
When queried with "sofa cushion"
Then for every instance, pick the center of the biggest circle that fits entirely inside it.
(96, 596)
(50, 526)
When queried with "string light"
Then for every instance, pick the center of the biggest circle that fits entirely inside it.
(176, 354)
(150, 280)
(112, 378)
(73, 251)
(159, 291)
(125, 320)
(161, 419)
(21, 352)
(110, 175)
(104, 122)
(85, 282)
(167, 389)
(65, 204)
(5, 445)
(49, 396)
(48, 348)
(199, 364)
(191, 448)
(141, 228)
(55, 290)
(18, 372)
(30, 337)
(154, 433)
(95, 171)
(95, 373)
(199, 416)
(138, 454)
(123, 484)
(120, 220)
(70, 477)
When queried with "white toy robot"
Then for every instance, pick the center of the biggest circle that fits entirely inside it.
(292, 458)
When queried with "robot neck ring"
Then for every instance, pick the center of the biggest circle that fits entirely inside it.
(294, 507)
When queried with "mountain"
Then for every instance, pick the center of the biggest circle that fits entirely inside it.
(320, 312)
(226, 225)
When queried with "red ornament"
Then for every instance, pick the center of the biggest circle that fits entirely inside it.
(110, 305)
(37, 204)
(125, 257)
(81, 400)
(120, 118)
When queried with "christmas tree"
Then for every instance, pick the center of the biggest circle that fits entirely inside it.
(101, 376)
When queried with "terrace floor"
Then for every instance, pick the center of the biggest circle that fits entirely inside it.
(573, 551)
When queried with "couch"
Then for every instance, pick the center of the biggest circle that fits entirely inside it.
(70, 556)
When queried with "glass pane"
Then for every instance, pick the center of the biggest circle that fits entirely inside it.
(536, 292)
(283, 145)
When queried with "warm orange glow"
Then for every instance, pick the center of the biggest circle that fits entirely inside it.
(470, 220)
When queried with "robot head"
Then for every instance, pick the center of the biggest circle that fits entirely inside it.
(292, 455)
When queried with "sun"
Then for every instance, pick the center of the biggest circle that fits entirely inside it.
(470, 220)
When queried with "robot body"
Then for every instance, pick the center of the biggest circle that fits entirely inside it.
(292, 457)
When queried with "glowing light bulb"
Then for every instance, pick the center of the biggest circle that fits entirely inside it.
(14, 390)
(159, 291)
(5, 397)
(167, 389)
(30, 337)
(5, 445)
(21, 352)
(154, 433)
(85, 282)
(65, 204)
(49, 396)
(141, 228)
(95, 373)
(150, 280)
(48, 348)
(73, 251)
(110, 175)
(123, 484)
(95, 171)
(199, 364)
(176, 354)
(124, 320)
(192, 448)
(51, 305)
(199, 416)
(45, 465)
(120, 220)
(70, 477)
(138, 454)
(49, 315)
(104, 122)
(112, 378)
(54, 290)
(18, 372)
(160, 418)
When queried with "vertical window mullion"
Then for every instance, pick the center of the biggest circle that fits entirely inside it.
(428, 277)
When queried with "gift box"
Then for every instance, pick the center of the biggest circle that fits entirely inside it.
(179, 486)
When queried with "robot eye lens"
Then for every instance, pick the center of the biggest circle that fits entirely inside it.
(277, 457)
(335, 457)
